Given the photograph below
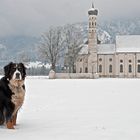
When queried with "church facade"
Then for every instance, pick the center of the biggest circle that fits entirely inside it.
(121, 59)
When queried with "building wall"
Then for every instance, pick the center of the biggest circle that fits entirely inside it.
(123, 65)
(106, 65)
(129, 62)
(82, 64)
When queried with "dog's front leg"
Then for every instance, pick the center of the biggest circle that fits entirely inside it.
(15, 119)
(10, 124)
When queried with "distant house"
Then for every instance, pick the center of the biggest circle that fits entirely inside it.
(121, 59)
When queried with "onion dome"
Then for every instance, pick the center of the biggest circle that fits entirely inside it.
(93, 11)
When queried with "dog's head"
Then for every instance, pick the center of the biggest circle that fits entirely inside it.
(15, 73)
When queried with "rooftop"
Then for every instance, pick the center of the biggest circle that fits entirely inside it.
(128, 43)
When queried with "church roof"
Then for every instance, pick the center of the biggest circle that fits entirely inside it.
(84, 49)
(101, 49)
(128, 43)
(125, 43)
(106, 49)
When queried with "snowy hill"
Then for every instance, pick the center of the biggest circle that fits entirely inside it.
(107, 30)
(21, 47)
(103, 109)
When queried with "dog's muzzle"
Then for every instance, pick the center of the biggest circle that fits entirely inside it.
(17, 76)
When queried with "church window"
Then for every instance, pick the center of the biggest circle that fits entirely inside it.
(121, 68)
(110, 59)
(86, 70)
(139, 68)
(80, 70)
(130, 68)
(121, 61)
(100, 59)
(138, 61)
(81, 60)
(100, 68)
(110, 68)
(130, 61)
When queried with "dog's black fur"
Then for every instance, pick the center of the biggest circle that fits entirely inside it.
(7, 106)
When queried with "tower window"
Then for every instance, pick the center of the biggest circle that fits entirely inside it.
(110, 68)
(110, 59)
(100, 68)
(121, 68)
(130, 68)
(121, 61)
(138, 61)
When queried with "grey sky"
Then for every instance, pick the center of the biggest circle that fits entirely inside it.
(31, 17)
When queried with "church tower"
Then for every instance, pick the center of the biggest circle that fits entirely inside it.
(92, 40)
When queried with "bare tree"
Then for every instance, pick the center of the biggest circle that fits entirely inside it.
(73, 40)
(51, 45)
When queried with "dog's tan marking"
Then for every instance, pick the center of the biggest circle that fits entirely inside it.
(18, 96)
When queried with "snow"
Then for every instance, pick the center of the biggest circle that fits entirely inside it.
(106, 48)
(94, 109)
(128, 43)
(84, 49)
(101, 49)
(37, 64)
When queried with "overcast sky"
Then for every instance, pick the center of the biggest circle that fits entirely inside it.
(31, 17)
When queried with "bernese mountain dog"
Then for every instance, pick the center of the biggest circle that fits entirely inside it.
(12, 92)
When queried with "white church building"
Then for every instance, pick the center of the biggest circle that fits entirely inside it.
(121, 59)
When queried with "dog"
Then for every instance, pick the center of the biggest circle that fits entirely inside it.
(12, 93)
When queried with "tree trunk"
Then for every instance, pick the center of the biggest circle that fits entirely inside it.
(53, 67)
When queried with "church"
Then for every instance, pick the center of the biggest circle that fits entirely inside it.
(121, 59)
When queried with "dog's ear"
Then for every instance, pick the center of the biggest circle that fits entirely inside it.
(24, 69)
(7, 69)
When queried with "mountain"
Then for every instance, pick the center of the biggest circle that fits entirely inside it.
(16, 48)
(108, 30)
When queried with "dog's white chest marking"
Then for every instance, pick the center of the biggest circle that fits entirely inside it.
(17, 97)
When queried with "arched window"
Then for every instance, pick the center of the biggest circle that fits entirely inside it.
(138, 68)
(100, 59)
(130, 61)
(121, 68)
(95, 23)
(80, 70)
(110, 68)
(130, 68)
(86, 70)
(100, 68)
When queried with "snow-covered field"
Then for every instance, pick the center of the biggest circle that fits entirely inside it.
(101, 109)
